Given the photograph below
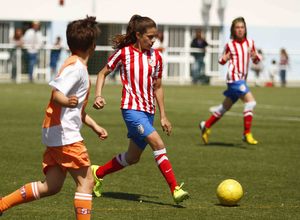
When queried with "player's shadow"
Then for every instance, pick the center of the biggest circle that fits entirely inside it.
(137, 198)
(226, 206)
(223, 144)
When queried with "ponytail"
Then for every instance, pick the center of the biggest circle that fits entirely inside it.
(136, 24)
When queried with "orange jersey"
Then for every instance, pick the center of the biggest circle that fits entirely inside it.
(62, 125)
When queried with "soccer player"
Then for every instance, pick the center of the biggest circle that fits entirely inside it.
(141, 73)
(66, 151)
(238, 52)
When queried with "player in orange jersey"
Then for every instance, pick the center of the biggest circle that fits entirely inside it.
(65, 151)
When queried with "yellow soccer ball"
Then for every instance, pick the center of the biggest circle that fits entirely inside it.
(229, 192)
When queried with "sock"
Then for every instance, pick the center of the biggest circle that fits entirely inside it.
(212, 119)
(26, 193)
(248, 116)
(117, 163)
(83, 206)
(218, 112)
(165, 167)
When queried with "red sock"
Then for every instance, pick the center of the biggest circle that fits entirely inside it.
(165, 168)
(213, 119)
(248, 116)
(115, 164)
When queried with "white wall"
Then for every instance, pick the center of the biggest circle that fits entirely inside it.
(275, 13)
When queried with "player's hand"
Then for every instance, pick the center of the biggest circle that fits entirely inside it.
(166, 125)
(72, 101)
(99, 102)
(253, 54)
(102, 133)
(226, 56)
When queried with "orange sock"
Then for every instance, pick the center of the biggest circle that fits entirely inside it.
(83, 206)
(25, 194)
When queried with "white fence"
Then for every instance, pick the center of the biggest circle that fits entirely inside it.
(177, 64)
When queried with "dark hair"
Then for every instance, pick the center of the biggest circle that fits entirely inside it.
(234, 22)
(18, 34)
(82, 34)
(136, 24)
(284, 53)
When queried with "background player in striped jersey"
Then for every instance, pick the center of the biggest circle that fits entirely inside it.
(238, 52)
(65, 113)
(141, 73)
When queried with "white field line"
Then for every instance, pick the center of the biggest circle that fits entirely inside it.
(277, 118)
(262, 106)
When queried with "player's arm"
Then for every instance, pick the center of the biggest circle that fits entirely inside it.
(159, 95)
(225, 56)
(99, 101)
(256, 58)
(100, 131)
(61, 99)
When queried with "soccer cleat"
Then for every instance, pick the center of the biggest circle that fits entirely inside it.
(248, 138)
(179, 195)
(97, 190)
(205, 132)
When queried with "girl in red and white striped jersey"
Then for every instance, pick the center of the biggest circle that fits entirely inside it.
(238, 52)
(141, 76)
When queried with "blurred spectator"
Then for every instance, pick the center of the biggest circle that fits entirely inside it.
(257, 68)
(54, 56)
(17, 41)
(198, 66)
(283, 65)
(158, 44)
(33, 41)
(273, 72)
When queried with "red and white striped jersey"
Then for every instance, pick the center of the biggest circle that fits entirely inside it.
(139, 72)
(239, 59)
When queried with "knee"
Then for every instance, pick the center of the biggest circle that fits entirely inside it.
(90, 182)
(157, 144)
(86, 185)
(249, 106)
(132, 160)
(52, 190)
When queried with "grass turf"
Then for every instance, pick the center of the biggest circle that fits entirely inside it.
(269, 172)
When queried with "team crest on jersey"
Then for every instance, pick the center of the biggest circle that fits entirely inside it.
(140, 129)
(243, 88)
(151, 62)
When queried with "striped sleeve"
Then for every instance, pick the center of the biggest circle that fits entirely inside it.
(221, 60)
(114, 59)
(258, 57)
(159, 67)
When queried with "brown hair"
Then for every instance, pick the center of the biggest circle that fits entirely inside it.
(284, 53)
(82, 34)
(234, 22)
(136, 24)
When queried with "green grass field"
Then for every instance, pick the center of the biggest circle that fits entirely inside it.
(269, 172)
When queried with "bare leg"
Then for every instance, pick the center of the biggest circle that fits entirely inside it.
(53, 183)
(133, 153)
(32, 191)
(84, 180)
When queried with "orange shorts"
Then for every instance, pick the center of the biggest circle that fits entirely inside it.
(68, 156)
